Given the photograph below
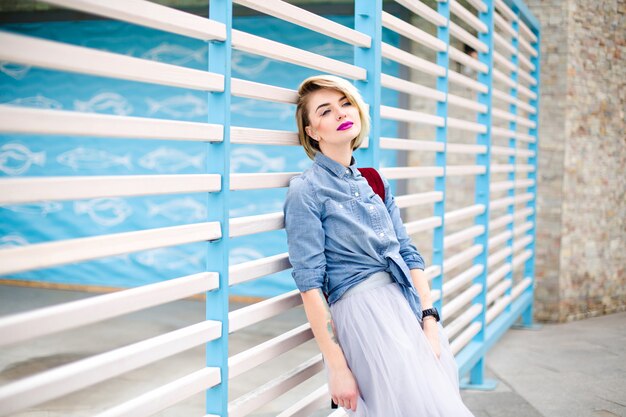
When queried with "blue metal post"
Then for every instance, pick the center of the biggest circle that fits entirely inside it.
(512, 158)
(218, 162)
(477, 379)
(443, 33)
(529, 265)
(368, 20)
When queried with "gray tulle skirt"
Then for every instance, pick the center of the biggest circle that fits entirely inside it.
(396, 370)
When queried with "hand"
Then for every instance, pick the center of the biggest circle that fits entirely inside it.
(431, 330)
(343, 388)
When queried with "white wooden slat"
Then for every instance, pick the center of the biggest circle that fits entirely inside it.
(412, 32)
(498, 274)
(522, 243)
(522, 214)
(461, 300)
(522, 198)
(255, 136)
(464, 213)
(409, 87)
(424, 11)
(167, 395)
(453, 170)
(422, 225)
(524, 76)
(500, 76)
(523, 91)
(499, 59)
(466, 103)
(248, 225)
(465, 337)
(64, 57)
(43, 321)
(500, 168)
(249, 402)
(260, 91)
(524, 30)
(258, 181)
(14, 119)
(498, 256)
(463, 236)
(465, 81)
(309, 20)
(527, 47)
(412, 61)
(69, 378)
(497, 291)
(410, 200)
(524, 61)
(505, 10)
(257, 45)
(411, 172)
(30, 189)
(495, 187)
(468, 254)
(467, 16)
(499, 41)
(521, 286)
(524, 153)
(503, 150)
(497, 308)
(432, 272)
(270, 349)
(501, 203)
(44, 255)
(500, 22)
(500, 222)
(247, 271)
(411, 116)
(455, 284)
(502, 114)
(524, 168)
(523, 228)
(513, 100)
(468, 61)
(262, 310)
(466, 37)
(308, 404)
(462, 321)
(478, 5)
(499, 239)
(338, 413)
(411, 144)
(466, 125)
(149, 14)
(465, 148)
(525, 138)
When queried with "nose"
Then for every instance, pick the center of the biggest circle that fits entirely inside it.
(341, 114)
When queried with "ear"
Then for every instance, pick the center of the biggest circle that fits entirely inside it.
(309, 131)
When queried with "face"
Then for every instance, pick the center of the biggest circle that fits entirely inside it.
(334, 121)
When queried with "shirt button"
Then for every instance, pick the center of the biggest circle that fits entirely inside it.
(347, 171)
(381, 234)
(396, 256)
(340, 205)
(356, 194)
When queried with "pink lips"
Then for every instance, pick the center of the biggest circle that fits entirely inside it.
(345, 126)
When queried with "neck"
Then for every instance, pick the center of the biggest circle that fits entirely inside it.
(340, 154)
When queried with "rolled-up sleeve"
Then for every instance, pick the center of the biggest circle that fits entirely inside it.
(305, 235)
(408, 251)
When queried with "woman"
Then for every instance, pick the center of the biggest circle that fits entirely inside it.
(385, 352)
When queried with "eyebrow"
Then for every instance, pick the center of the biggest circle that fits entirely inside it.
(328, 104)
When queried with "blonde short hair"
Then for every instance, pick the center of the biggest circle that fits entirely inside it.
(318, 82)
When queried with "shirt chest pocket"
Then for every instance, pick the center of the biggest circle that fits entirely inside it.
(342, 217)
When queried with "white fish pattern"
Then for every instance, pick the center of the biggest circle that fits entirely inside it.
(243, 254)
(166, 159)
(104, 103)
(90, 158)
(176, 54)
(16, 159)
(13, 240)
(17, 71)
(248, 64)
(180, 209)
(40, 208)
(333, 50)
(253, 158)
(38, 101)
(254, 208)
(266, 110)
(170, 258)
(104, 211)
(186, 106)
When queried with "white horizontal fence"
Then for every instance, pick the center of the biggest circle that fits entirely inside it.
(472, 270)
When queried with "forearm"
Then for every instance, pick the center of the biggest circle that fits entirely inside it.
(318, 314)
(420, 281)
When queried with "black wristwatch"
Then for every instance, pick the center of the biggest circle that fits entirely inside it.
(431, 312)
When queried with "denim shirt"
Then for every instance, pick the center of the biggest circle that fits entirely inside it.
(339, 232)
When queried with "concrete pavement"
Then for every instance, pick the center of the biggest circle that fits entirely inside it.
(561, 370)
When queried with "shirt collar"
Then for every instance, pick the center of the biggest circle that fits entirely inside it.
(335, 167)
